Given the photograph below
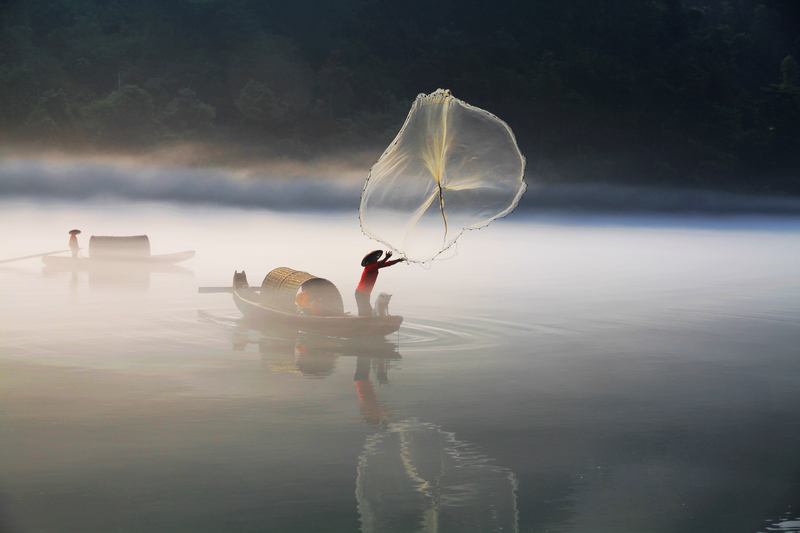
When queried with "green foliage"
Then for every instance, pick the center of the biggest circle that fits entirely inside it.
(259, 107)
(699, 92)
(124, 117)
(334, 86)
(51, 119)
(790, 72)
(187, 117)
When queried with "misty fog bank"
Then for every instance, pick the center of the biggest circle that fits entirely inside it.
(332, 185)
(610, 198)
(163, 177)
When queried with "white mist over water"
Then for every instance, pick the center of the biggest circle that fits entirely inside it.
(612, 373)
(328, 185)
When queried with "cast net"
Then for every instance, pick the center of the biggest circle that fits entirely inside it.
(451, 168)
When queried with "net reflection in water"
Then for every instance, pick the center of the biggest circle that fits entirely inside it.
(414, 476)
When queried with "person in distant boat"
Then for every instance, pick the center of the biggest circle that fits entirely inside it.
(73, 242)
(371, 264)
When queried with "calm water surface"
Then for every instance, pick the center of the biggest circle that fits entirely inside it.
(557, 374)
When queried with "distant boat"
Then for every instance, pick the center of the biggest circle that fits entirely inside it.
(275, 304)
(113, 252)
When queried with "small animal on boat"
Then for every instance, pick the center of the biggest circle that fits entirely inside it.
(240, 279)
(382, 304)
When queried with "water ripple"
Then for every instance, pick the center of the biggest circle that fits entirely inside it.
(460, 333)
(422, 334)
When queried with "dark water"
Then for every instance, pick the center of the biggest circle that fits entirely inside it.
(557, 374)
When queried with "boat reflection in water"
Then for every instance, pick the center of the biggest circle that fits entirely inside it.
(315, 356)
(126, 276)
(414, 476)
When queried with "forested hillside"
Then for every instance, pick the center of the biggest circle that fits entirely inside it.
(691, 93)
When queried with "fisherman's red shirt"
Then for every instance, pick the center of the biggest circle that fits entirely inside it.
(369, 277)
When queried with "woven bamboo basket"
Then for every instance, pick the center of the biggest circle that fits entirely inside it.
(280, 286)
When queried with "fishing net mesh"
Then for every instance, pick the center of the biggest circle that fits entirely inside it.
(452, 167)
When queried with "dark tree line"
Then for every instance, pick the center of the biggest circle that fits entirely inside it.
(694, 92)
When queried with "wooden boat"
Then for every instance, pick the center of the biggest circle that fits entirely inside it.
(275, 305)
(87, 262)
(117, 252)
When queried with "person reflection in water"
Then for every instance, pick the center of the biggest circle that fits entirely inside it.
(371, 264)
(73, 242)
(372, 411)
